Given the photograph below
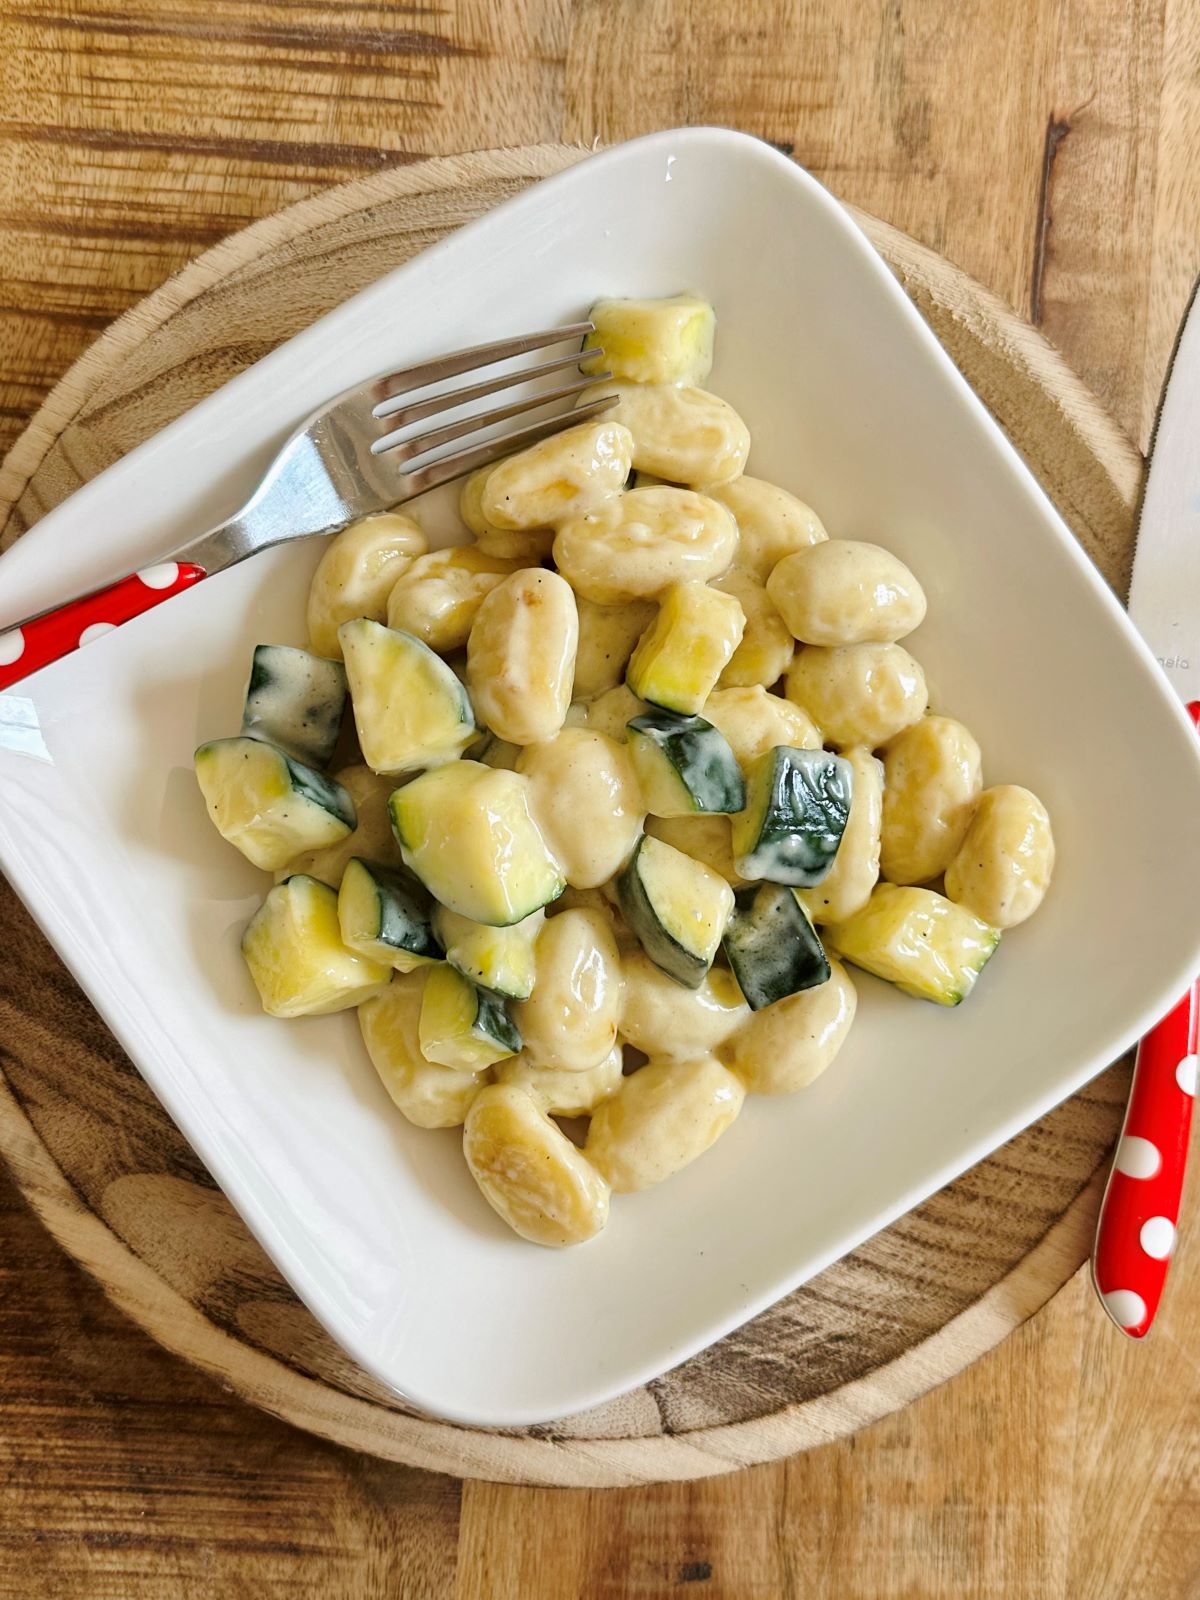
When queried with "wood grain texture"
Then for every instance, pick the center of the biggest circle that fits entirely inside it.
(907, 1309)
(136, 135)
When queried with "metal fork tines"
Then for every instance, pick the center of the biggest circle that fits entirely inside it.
(358, 455)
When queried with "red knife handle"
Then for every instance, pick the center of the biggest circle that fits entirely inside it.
(57, 633)
(1139, 1214)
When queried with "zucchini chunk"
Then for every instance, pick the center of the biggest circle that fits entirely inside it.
(466, 831)
(268, 805)
(684, 765)
(687, 647)
(772, 946)
(653, 341)
(918, 940)
(677, 907)
(409, 708)
(295, 700)
(300, 966)
(500, 959)
(797, 806)
(380, 917)
(464, 1027)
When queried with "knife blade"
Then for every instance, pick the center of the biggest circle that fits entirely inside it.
(1139, 1214)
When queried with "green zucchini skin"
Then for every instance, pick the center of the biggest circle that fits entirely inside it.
(493, 1022)
(648, 920)
(295, 700)
(798, 803)
(772, 947)
(696, 753)
(399, 918)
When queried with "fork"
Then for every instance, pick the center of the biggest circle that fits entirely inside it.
(345, 461)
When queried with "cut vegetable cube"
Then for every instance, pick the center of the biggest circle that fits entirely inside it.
(500, 959)
(295, 701)
(653, 341)
(466, 831)
(382, 918)
(797, 806)
(300, 966)
(677, 907)
(918, 940)
(684, 765)
(268, 805)
(772, 946)
(464, 1027)
(685, 649)
(409, 708)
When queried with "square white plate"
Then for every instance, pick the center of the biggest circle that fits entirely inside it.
(852, 404)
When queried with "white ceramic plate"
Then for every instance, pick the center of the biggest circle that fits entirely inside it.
(851, 403)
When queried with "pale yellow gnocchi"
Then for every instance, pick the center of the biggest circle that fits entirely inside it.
(584, 796)
(570, 1020)
(663, 1116)
(766, 646)
(932, 781)
(842, 591)
(607, 636)
(637, 545)
(559, 477)
(771, 523)
(858, 693)
(438, 598)
(680, 434)
(429, 1096)
(662, 1022)
(565, 1094)
(1002, 869)
(789, 1044)
(357, 573)
(529, 1172)
(521, 656)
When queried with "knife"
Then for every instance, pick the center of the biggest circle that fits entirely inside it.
(1139, 1214)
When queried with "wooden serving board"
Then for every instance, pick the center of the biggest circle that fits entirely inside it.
(119, 1187)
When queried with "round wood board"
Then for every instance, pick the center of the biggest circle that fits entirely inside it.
(119, 1187)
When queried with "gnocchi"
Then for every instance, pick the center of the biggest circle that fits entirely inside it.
(635, 547)
(559, 477)
(439, 596)
(858, 693)
(607, 635)
(584, 796)
(844, 592)
(662, 1118)
(680, 435)
(570, 1019)
(789, 1044)
(766, 646)
(521, 656)
(530, 885)
(357, 573)
(931, 784)
(529, 1172)
(1002, 869)
(771, 523)
(428, 1096)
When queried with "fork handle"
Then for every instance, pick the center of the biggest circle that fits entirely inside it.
(1135, 1235)
(57, 632)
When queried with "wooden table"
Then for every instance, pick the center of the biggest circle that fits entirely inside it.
(1047, 148)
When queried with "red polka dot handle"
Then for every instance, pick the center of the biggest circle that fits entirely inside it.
(1140, 1211)
(56, 633)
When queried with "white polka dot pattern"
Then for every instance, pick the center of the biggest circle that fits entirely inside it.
(1158, 1237)
(161, 576)
(1185, 1074)
(96, 631)
(1127, 1309)
(12, 647)
(1137, 1158)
